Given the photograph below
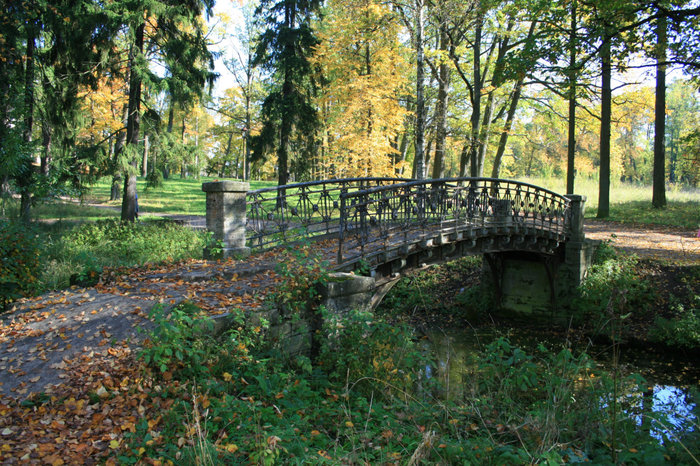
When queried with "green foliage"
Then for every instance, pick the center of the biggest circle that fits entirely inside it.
(609, 276)
(183, 342)
(154, 180)
(20, 260)
(301, 275)
(179, 340)
(90, 247)
(369, 354)
(683, 330)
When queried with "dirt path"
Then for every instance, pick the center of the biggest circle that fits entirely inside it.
(647, 241)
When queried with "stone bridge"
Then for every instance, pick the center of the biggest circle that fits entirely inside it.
(532, 238)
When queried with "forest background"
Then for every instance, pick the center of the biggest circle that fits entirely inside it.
(513, 89)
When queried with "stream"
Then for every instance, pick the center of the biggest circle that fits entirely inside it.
(671, 384)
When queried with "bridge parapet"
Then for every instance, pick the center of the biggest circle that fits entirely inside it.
(284, 214)
(375, 220)
(370, 216)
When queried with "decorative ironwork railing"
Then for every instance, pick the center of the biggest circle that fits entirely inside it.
(285, 214)
(377, 219)
(372, 215)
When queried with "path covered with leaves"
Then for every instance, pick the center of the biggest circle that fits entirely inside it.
(71, 385)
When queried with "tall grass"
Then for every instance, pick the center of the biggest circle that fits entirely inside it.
(77, 254)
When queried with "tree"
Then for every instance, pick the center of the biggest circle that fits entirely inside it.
(49, 51)
(659, 181)
(419, 166)
(364, 77)
(248, 94)
(288, 117)
(174, 36)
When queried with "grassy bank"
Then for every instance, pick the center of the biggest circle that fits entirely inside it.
(50, 256)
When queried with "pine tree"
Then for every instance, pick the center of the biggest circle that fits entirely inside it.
(288, 116)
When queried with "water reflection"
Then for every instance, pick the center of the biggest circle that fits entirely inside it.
(672, 407)
(665, 405)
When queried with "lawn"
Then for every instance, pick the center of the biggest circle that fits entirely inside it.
(176, 196)
(629, 203)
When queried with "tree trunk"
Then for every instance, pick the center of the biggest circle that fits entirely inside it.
(571, 145)
(419, 161)
(464, 160)
(505, 132)
(605, 121)
(46, 137)
(171, 120)
(659, 176)
(144, 166)
(129, 199)
(441, 107)
(474, 168)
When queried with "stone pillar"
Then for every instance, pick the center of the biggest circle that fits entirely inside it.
(578, 252)
(226, 217)
(578, 205)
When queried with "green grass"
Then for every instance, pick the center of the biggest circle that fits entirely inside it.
(61, 210)
(77, 253)
(176, 196)
(631, 203)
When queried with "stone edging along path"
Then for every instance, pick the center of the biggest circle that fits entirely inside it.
(42, 338)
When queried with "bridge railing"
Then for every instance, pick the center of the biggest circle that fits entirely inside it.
(376, 219)
(284, 214)
(371, 215)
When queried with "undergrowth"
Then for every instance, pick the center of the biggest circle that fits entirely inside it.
(77, 254)
(610, 274)
(368, 399)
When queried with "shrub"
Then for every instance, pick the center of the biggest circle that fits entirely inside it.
(154, 179)
(681, 331)
(611, 275)
(21, 260)
(183, 342)
(369, 353)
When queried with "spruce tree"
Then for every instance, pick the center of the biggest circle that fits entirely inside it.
(289, 118)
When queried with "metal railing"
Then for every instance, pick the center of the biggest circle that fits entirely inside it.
(372, 215)
(378, 219)
(284, 214)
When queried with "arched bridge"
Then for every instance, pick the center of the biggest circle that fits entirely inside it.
(388, 224)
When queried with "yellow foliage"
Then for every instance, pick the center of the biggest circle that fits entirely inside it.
(104, 108)
(361, 113)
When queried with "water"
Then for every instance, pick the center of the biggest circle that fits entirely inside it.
(669, 394)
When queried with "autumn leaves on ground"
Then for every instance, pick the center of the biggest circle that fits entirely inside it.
(71, 381)
(74, 388)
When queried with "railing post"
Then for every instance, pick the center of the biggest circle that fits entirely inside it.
(578, 205)
(226, 217)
